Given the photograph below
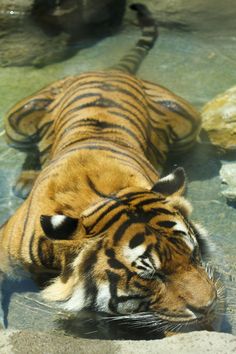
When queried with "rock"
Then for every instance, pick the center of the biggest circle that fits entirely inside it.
(219, 120)
(228, 176)
(195, 14)
(40, 32)
(81, 19)
(27, 342)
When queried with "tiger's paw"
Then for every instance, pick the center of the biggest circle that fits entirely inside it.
(25, 183)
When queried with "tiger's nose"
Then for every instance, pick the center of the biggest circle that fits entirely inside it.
(203, 310)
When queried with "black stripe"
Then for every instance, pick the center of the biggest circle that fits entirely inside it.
(124, 200)
(46, 150)
(133, 195)
(146, 264)
(166, 255)
(46, 102)
(43, 129)
(29, 199)
(104, 205)
(166, 223)
(110, 252)
(113, 279)
(109, 85)
(116, 300)
(108, 103)
(176, 108)
(121, 230)
(31, 251)
(113, 77)
(115, 264)
(142, 287)
(15, 121)
(95, 140)
(46, 252)
(113, 220)
(22, 144)
(127, 163)
(149, 201)
(79, 97)
(179, 232)
(162, 211)
(155, 109)
(102, 125)
(105, 148)
(86, 270)
(140, 112)
(160, 156)
(136, 240)
(120, 114)
(95, 190)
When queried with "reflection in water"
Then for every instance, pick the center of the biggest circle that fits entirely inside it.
(145, 326)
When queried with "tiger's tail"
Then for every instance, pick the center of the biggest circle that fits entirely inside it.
(131, 61)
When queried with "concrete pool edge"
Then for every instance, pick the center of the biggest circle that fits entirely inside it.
(33, 342)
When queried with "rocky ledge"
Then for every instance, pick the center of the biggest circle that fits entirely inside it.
(18, 342)
(219, 120)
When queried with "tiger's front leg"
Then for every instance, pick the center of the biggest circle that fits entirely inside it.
(28, 175)
(35, 159)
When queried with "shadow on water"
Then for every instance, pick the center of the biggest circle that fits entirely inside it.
(95, 325)
(195, 162)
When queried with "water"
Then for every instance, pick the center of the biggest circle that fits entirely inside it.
(195, 65)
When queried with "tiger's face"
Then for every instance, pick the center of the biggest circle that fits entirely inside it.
(142, 256)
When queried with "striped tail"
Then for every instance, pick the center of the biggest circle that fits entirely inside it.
(131, 61)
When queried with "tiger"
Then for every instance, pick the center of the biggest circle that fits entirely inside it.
(98, 217)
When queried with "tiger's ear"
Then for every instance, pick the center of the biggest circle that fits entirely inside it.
(173, 184)
(58, 227)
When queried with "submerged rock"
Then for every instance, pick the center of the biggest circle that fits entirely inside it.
(40, 32)
(219, 120)
(228, 176)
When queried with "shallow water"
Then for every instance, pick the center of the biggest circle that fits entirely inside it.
(196, 66)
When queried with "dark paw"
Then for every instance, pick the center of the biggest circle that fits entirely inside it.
(25, 183)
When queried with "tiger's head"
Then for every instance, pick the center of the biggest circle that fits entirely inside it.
(142, 258)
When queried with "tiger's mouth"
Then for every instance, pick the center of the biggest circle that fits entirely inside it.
(156, 323)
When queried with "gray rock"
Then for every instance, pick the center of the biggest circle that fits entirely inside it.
(39, 32)
(228, 176)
